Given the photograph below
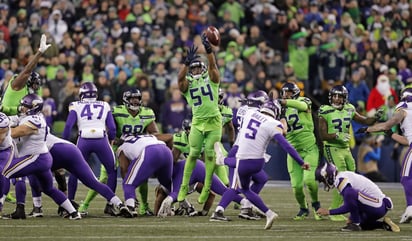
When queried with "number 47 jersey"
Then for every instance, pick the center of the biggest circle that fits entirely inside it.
(91, 117)
(256, 132)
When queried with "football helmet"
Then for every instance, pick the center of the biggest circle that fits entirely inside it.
(34, 81)
(197, 69)
(406, 94)
(4, 120)
(33, 103)
(257, 98)
(88, 91)
(272, 107)
(186, 125)
(342, 93)
(221, 95)
(132, 99)
(326, 174)
(292, 87)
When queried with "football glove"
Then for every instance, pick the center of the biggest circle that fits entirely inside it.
(43, 44)
(206, 44)
(191, 55)
(166, 207)
(345, 137)
(379, 114)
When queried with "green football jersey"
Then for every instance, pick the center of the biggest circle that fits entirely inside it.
(126, 123)
(300, 124)
(226, 113)
(337, 121)
(11, 98)
(181, 142)
(203, 95)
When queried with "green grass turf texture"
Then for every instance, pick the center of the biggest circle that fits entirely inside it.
(278, 196)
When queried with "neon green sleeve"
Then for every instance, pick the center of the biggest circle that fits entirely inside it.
(297, 104)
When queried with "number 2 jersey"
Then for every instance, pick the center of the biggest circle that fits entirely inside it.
(300, 132)
(256, 132)
(203, 96)
(337, 121)
(92, 117)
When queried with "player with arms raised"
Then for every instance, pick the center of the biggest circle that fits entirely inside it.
(200, 86)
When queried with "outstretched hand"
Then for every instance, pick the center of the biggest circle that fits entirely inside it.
(379, 114)
(43, 44)
(191, 55)
(206, 43)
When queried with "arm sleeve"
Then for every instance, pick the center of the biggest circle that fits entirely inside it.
(111, 126)
(297, 104)
(288, 148)
(373, 155)
(71, 120)
(348, 190)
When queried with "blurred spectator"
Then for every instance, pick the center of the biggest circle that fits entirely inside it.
(57, 84)
(105, 91)
(160, 83)
(49, 107)
(379, 95)
(369, 155)
(331, 68)
(394, 81)
(57, 26)
(357, 88)
(174, 112)
(405, 73)
(148, 101)
(233, 11)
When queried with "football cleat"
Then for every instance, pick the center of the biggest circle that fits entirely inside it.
(62, 212)
(337, 218)
(388, 225)
(218, 216)
(351, 227)
(407, 215)
(270, 219)
(109, 209)
(166, 207)
(186, 209)
(144, 210)
(302, 214)
(75, 216)
(37, 212)
(220, 158)
(83, 208)
(18, 213)
(133, 211)
(124, 211)
(248, 214)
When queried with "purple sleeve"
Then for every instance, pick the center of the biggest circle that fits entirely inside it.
(281, 140)
(71, 119)
(111, 126)
(349, 191)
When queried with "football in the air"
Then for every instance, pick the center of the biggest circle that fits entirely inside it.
(213, 35)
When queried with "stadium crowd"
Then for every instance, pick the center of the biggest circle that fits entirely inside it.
(317, 45)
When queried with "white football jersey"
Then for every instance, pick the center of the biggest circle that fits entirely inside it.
(52, 139)
(240, 114)
(255, 134)
(358, 182)
(33, 144)
(91, 115)
(8, 141)
(134, 146)
(406, 126)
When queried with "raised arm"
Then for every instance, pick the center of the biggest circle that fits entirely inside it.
(20, 81)
(212, 66)
(181, 77)
(397, 118)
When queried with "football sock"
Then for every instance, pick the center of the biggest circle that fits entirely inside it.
(187, 173)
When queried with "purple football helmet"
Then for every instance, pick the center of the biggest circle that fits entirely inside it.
(34, 79)
(290, 87)
(88, 91)
(257, 98)
(33, 103)
(133, 105)
(272, 107)
(406, 94)
(4, 120)
(326, 174)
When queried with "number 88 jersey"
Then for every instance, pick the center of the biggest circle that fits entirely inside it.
(128, 124)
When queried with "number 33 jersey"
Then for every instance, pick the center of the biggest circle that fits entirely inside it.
(256, 132)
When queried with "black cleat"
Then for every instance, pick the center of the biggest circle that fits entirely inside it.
(19, 213)
(218, 216)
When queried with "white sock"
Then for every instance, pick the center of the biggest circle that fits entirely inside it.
(269, 213)
(68, 206)
(220, 208)
(245, 203)
(116, 201)
(130, 202)
(2, 199)
(37, 202)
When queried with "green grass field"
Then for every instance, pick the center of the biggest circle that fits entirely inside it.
(278, 195)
